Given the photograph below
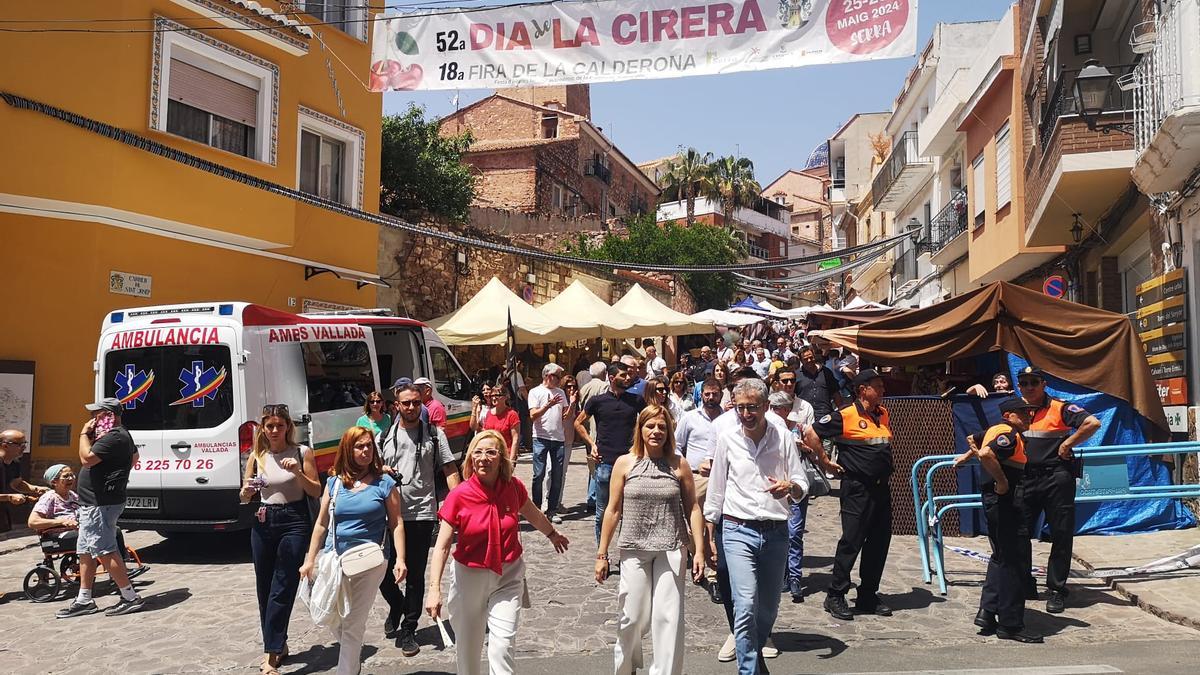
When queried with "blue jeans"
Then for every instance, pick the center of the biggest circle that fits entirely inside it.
(756, 557)
(602, 477)
(795, 566)
(278, 546)
(541, 448)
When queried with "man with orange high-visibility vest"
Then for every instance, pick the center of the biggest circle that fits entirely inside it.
(1002, 454)
(1049, 481)
(864, 443)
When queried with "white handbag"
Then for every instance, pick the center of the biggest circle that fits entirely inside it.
(358, 559)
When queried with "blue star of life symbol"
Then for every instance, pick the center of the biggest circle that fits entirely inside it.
(197, 384)
(132, 385)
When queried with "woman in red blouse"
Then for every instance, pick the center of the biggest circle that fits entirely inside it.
(489, 575)
(500, 417)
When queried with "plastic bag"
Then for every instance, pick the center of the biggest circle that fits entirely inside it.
(325, 596)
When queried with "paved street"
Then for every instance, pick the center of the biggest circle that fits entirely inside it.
(201, 617)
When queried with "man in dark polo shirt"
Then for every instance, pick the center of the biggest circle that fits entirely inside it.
(615, 412)
(816, 384)
(1049, 479)
(864, 442)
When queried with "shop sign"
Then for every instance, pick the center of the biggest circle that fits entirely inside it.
(1177, 418)
(127, 283)
(1162, 313)
(1172, 391)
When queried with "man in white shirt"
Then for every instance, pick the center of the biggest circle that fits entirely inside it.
(756, 470)
(547, 408)
(761, 363)
(656, 366)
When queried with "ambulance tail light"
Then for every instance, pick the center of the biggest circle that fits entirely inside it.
(246, 443)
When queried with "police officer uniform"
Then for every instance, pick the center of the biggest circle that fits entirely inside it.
(863, 439)
(1049, 486)
(1002, 601)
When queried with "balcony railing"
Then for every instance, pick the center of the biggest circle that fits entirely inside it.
(904, 154)
(757, 251)
(1162, 89)
(949, 222)
(1062, 100)
(905, 267)
(595, 167)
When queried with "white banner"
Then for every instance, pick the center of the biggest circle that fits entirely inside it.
(581, 42)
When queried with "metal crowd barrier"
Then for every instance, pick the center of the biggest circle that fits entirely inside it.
(1105, 478)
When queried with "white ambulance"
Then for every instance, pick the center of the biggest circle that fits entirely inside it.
(193, 380)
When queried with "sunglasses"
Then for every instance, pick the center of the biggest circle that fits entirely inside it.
(375, 401)
(746, 408)
(789, 380)
(1028, 383)
(276, 410)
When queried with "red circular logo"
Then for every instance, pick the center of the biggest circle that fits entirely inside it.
(865, 26)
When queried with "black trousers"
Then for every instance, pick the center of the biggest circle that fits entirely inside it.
(1050, 490)
(866, 529)
(1003, 593)
(407, 606)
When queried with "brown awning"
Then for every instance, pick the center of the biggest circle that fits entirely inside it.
(1090, 347)
(837, 318)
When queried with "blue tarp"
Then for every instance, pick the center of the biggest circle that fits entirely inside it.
(747, 303)
(1120, 425)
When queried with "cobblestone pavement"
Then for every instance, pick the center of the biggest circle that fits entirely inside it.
(201, 614)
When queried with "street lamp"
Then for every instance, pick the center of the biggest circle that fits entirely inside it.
(1092, 85)
(1076, 229)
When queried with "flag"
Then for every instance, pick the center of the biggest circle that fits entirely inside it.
(510, 348)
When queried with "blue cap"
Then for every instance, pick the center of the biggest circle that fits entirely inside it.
(402, 382)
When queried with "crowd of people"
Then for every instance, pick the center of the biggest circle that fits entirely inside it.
(699, 472)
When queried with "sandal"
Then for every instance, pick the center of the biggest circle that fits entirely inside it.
(269, 665)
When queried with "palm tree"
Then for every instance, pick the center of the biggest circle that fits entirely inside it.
(683, 177)
(730, 183)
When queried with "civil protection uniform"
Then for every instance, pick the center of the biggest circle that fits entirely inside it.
(1049, 486)
(1003, 595)
(864, 443)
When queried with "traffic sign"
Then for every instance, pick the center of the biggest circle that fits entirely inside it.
(1055, 286)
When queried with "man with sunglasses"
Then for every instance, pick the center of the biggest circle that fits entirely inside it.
(15, 488)
(756, 470)
(412, 449)
(864, 442)
(1049, 483)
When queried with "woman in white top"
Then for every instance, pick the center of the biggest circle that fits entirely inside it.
(284, 474)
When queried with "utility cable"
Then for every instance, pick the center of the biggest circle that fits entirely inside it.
(156, 148)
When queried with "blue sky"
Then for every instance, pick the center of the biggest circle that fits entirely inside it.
(774, 117)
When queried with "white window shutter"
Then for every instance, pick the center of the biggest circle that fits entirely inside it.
(1003, 167)
(979, 186)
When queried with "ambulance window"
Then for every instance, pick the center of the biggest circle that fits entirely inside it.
(339, 375)
(165, 388)
(450, 381)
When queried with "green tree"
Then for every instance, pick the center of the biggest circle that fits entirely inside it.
(422, 174)
(730, 183)
(684, 175)
(671, 243)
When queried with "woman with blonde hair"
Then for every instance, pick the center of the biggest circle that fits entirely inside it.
(489, 575)
(653, 499)
(364, 501)
(283, 473)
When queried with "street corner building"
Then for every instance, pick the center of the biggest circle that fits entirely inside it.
(143, 180)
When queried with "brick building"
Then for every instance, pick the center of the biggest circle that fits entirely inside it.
(806, 193)
(537, 151)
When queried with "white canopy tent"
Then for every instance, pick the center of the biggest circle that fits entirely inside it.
(723, 318)
(483, 320)
(858, 303)
(577, 307)
(640, 305)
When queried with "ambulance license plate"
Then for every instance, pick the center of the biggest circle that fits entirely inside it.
(141, 502)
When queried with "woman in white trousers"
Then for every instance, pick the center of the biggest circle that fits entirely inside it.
(489, 574)
(653, 498)
(365, 502)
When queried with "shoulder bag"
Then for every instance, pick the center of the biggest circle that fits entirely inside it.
(818, 484)
(325, 595)
(360, 559)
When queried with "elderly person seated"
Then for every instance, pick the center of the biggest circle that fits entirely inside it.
(55, 516)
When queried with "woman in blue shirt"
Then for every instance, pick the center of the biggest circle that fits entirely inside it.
(365, 502)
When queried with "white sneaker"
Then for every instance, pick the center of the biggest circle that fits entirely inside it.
(769, 651)
(728, 650)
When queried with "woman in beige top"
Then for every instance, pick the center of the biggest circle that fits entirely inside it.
(653, 498)
(284, 474)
